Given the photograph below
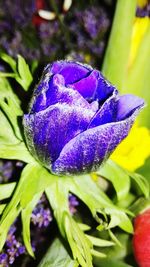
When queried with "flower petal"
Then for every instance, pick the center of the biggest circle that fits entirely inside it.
(52, 128)
(87, 86)
(127, 104)
(53, 91)
(88, 150)
(107, 113)
(71, 71)
(104, 89)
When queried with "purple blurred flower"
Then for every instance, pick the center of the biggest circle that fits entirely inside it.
(20, 11)
(94, 20)
(13, 248)
(76, 118)
(6, 170)
(73, 203)
(85, 26)
(41, 217)
(143, 11)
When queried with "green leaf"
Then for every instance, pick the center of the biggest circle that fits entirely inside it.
(57, 256)
(8, 59)
(14, 203)
(122, 248)
(5, 75)
(13, 208)
(34, 66)
(119, 218)
(114, 238)
(9, 113)
(2, 207)
(26, 215)
(57, 194)
(38, 180)
(84, 227)
(21, 70)
(6, 190)
(98, 254)
(98, 202)
(16, 151)
(7, 135)
(34, 179)
(25, 78)
(6, 222)
(126, 202)
(91, 194)
(140, 205)
(80, 245)
(98, 242)
(118, 49)
(117, 176)
(13, 112)
(6, 91)
(141, 182)
(112, 263)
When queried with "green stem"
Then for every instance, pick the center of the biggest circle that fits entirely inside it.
(64, 29)
(117, 53)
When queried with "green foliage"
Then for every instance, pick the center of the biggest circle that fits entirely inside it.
(57, 255)
(35, 180)
(6, 190)
(118, 177)
(21, 71)
(118, 49)
(25, 78)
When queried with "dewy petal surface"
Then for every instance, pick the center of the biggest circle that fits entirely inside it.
(53, 92)
(87, 86)
(104, 89)
(107, 113)
(52, 128)
(71, 71)
(88, 150)
(127, 104)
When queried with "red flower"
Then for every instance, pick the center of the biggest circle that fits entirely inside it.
(141, 239)
(36, 19)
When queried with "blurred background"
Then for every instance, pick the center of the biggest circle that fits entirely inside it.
(47, 30)
(114, 40)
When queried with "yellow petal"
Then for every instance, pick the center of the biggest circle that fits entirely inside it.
(142, 3)
(139, 30)
(134, 150)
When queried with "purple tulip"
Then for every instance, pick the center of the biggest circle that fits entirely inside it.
(76, 118)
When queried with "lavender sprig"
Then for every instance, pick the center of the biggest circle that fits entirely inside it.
(41, 219)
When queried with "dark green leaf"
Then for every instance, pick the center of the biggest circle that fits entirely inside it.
(119, 178)
(141, 182)
(8, 59)
(57, 256)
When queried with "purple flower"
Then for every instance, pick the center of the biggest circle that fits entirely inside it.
(143, 11)
(41, 217)
(6, 170)
(76, 118)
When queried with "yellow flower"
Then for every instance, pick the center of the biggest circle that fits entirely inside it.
(134, 150)
(139, 29)
(142, 3)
